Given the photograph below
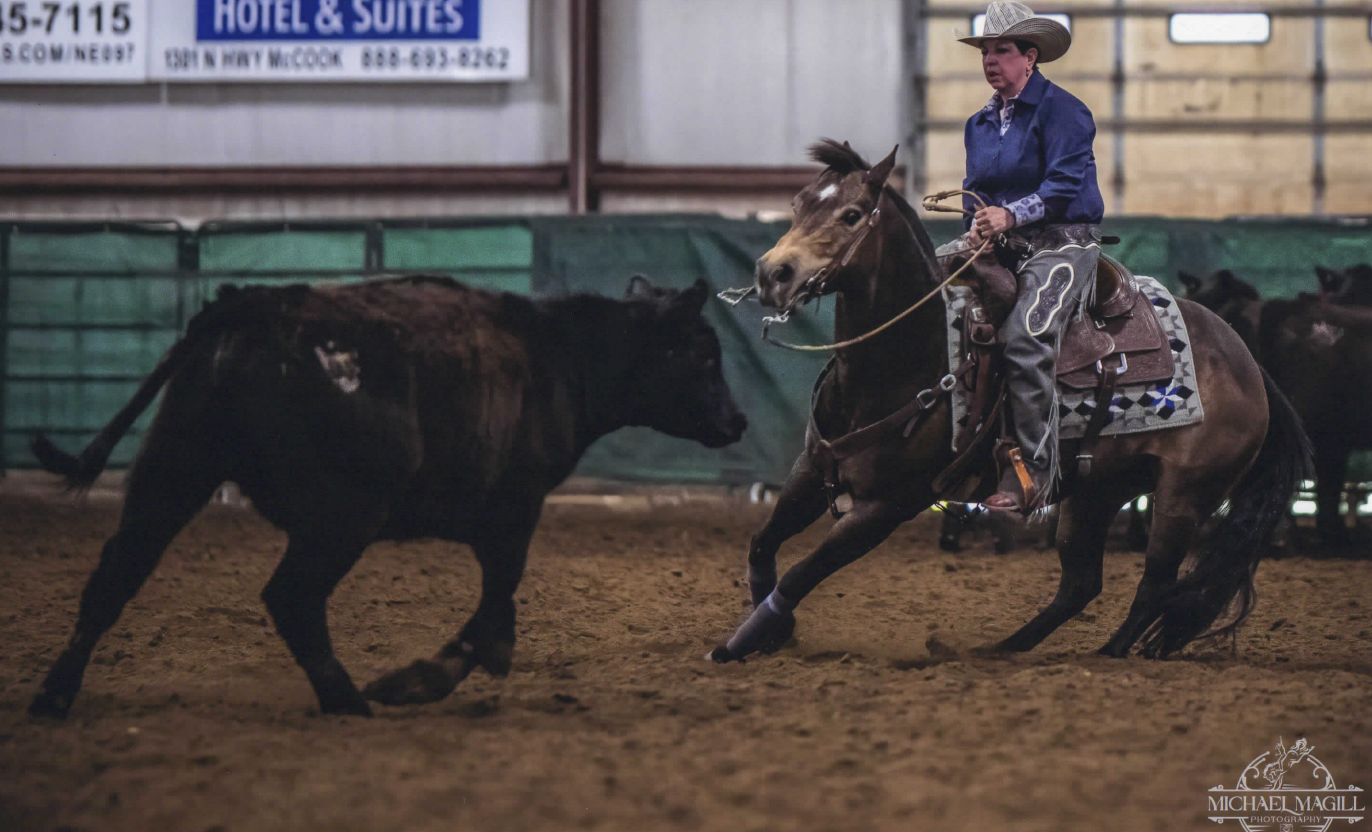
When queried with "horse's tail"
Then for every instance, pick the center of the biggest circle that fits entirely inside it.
(1223, 569)
(80, 471)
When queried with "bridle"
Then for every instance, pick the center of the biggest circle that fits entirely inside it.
(815, 286)
(818, 282)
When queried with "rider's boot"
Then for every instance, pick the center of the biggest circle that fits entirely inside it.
(1022, 485)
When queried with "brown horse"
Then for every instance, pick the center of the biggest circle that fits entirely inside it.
(1250, 448)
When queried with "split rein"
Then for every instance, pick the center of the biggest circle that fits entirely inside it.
(814, 287)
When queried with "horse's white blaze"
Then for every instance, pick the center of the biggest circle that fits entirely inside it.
(829, 190)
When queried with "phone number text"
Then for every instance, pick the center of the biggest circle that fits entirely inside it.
(435, 58)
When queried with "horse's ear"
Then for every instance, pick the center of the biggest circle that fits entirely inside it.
(1190, 281)
(876, 177)
(639, 287)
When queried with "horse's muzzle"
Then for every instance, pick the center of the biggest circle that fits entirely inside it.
(776, 282)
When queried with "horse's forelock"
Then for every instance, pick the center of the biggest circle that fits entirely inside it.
(838, 157)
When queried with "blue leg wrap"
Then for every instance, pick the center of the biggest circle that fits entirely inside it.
(768, 615)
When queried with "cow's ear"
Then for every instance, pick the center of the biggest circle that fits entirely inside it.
(1329, 279)
(877, 176)
(692, 300)
(1190, 281)
(639, 287)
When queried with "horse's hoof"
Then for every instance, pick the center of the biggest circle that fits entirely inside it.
(419, 684)
(950, 544)
(987, 651)
(722, 655)
(779, 634)
(49, 706)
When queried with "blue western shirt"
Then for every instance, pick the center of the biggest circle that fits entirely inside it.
(1042, 165)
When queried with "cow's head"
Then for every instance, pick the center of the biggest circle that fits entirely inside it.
(1229, 296)
(678, 376)
(1220, 292)
(1351, 286)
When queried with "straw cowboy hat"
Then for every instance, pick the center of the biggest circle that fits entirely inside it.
(1008, 19)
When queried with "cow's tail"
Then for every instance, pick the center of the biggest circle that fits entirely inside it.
(80, 471)
(1224, 567)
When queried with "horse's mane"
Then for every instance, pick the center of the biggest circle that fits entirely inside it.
(842, 159)
(926, 245)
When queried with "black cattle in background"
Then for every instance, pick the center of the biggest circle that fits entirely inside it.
(1318, 349)
(1348, 287)
(393, 409)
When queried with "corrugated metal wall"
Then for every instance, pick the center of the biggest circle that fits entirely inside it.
(1209, 130)
(722, 82)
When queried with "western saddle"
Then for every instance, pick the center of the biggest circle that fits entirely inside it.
(1117, 340)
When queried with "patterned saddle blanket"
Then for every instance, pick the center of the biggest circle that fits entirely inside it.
(1135, 408)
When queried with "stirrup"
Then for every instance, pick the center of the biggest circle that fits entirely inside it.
(1004, 499)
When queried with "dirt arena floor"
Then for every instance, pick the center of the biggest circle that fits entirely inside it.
(193, 716)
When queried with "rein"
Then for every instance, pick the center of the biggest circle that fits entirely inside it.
(814, 287)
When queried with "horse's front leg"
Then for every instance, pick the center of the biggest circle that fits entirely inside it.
(800, 503)
(773, 619)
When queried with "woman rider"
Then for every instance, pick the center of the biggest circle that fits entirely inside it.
(1029, 157)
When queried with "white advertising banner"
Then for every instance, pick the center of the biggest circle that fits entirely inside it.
(73, 41)
(339, 40)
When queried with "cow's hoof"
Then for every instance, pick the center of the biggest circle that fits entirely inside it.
(50, 706)
(497, 657)
(419, 684)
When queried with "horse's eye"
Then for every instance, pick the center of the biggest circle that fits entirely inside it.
(851, 216)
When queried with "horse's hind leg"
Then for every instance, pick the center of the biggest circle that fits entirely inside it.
(165, 490)
(1168, 540)
(1086, 516)
(1178, 508)
(800, 503)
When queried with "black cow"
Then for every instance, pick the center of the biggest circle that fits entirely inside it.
(1318, 349)
(1351, 286)
(394, 409)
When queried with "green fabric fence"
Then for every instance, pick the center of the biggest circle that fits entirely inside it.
(87, 309)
